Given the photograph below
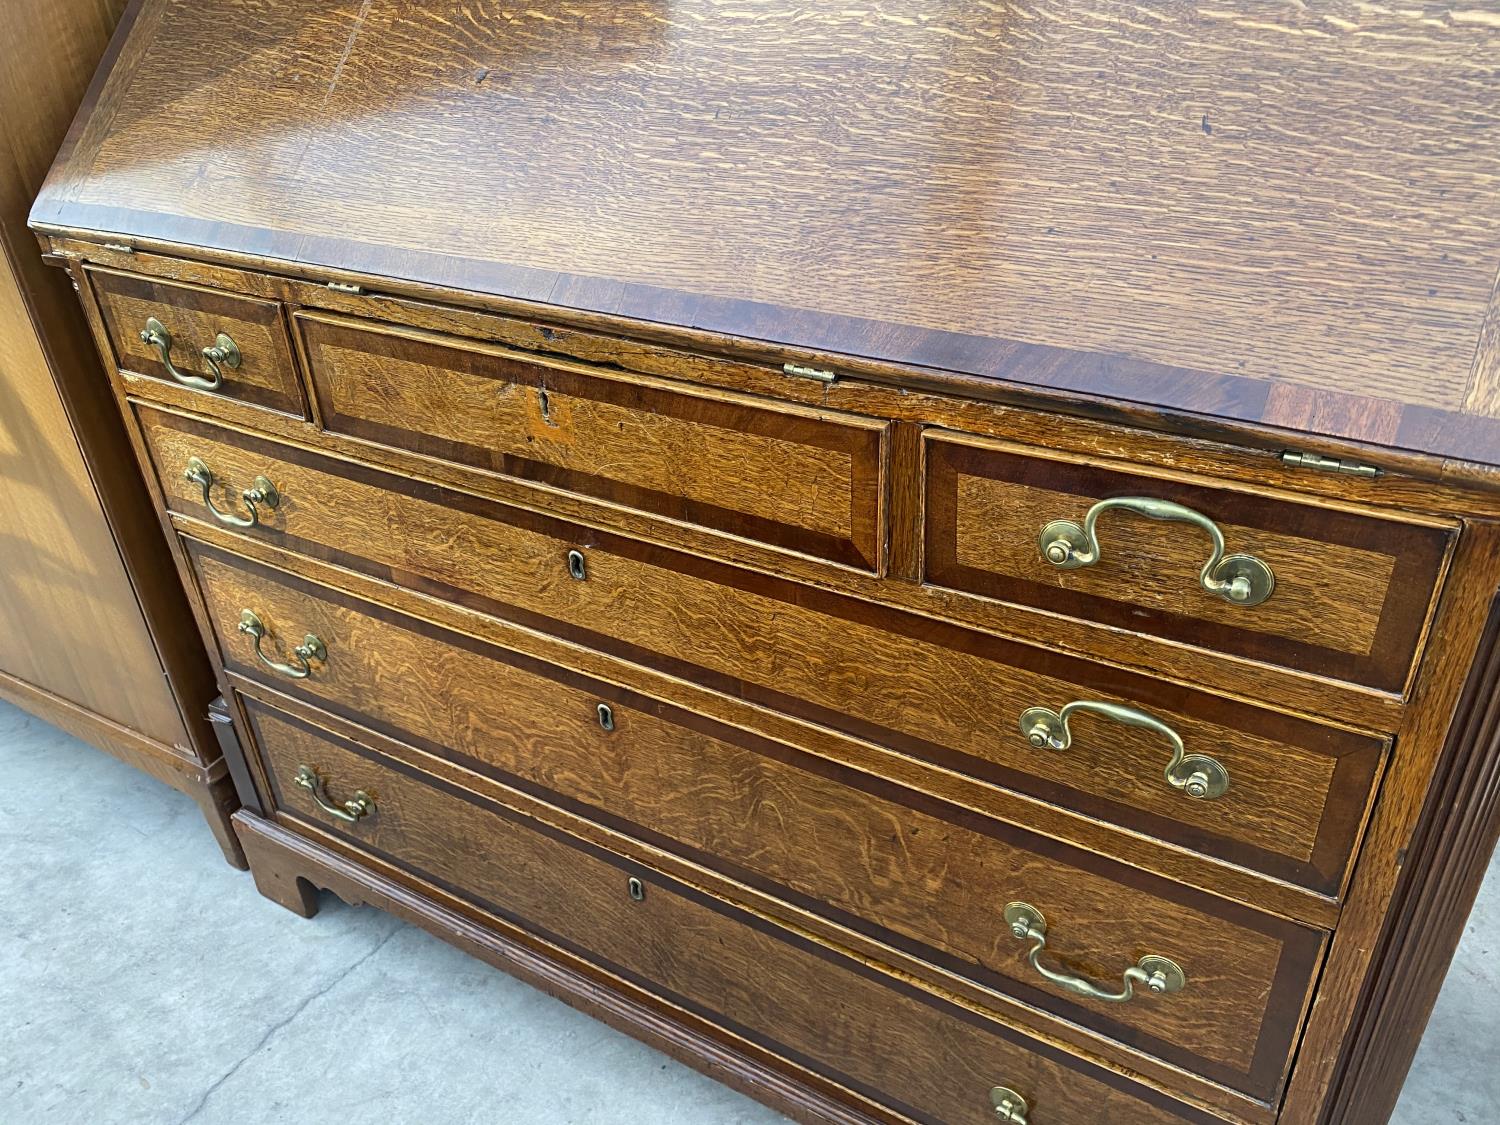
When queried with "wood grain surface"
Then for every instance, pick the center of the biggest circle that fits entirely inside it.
(1353, 591)
(70, 624)
(195, 318)
(1254, 229)
(290, 868)
(835, 747)
(1076, 421)
(900, 865)
(949, 696)
(1278, 214)
(69, 620)
(95, 634)
(797, 477)
(926, 1058)
(1457, 836)
(1438, 751)
(1317, 694)
(1185, 459)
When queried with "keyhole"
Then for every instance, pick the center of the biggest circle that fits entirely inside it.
(606, 716)
(637, 889)
(544, 401)
(576, 565)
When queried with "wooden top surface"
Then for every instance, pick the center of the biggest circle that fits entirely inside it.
(1265, 212)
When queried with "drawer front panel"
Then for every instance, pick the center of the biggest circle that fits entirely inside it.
(193, 317)
(1352, 592)
(793, 476)
(926, 1058)
(864, 852)
(1298, 791)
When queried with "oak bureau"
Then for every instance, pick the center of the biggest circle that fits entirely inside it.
(936, 561)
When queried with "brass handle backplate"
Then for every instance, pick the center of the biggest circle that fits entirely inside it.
(262, 494)
(311, 648)
(351, 811)
(1009, 1106)
(1158, 974)
(1241, 579)
(224, 353)
(1196, 775)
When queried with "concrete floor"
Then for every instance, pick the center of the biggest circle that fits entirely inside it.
(143, 980)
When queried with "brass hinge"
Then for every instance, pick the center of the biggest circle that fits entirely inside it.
(346, 287)
(1318, 463)
(809, 372)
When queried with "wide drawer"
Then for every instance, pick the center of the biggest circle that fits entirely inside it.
(929, 877)
(255, 365)
(926, 1058)
(794, 476)
(1297, 794)
(1350, 591)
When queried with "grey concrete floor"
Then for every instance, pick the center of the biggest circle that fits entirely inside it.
(143, 980)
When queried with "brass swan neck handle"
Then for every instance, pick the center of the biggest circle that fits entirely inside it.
(262, 494)
(1239, 579)
(312, 648)
(224, 353)
(1157, 974)
(1196, 775)
(351, 811)
(1009, 1106)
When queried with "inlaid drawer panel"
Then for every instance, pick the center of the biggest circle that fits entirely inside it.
(1297, 790)
(1350, 591)
(904, 868)
(854, 1024)
(794, 476)
(251, 358)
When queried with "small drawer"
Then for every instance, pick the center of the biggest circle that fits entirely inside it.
(963, 701)
(904, 868)
(922, 1056)
(792, 476)
(222, 344)
(1325, 589)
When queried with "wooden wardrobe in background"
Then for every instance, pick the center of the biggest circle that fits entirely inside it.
(95, 633)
